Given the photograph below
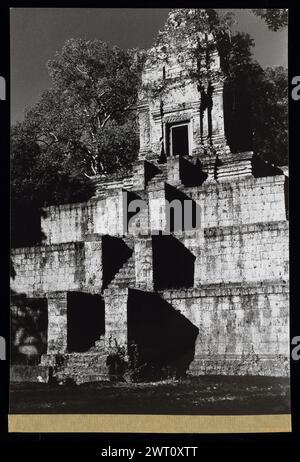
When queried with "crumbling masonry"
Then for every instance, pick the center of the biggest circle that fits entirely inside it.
(209, 299)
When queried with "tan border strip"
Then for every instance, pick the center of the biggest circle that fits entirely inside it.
(121, 423)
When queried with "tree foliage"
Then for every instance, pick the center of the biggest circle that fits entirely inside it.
(38, 178)
(80, 127)
(94, 87)
(270, 121)
(275, 18)
(84, 125)
(255, 99)
(190, 35)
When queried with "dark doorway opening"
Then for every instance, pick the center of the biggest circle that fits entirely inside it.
(161, 340)
(173, 263)
(179, 139)
(85, 321)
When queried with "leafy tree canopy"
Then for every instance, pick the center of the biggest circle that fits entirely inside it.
(255, 99)
(191, 35)
(84, 125)
(270, 121)
(94, 88)
(80, 127)
(275, 18)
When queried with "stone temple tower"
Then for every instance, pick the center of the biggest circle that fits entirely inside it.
(180, 110)
(115, 275)
(176, 115)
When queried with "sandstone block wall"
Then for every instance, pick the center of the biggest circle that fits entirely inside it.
(71, 223)
(57, 322)
(227, 278)
(68, 266)
(243, 328)
(116, 319)
(239, 297)
(241, 201)
(144, 264)
(257, 252)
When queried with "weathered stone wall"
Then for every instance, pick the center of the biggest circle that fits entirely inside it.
(241, 201)
(228, 203)
(144, 263)
(239, 298)
(243, 328)
(25, 373)
(69, 266)
(57, 322)
(79, 367)
(71, 222)
(258, 252)
(116, 319)
(234, 266)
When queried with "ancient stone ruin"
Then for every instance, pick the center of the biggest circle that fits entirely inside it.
(118, 284)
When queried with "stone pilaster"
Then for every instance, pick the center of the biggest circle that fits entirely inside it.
(173, 163)
(144, 263)
(144, 127)
(57, 322)
(116, 302)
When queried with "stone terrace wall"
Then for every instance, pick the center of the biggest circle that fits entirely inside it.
(257, 252)
(249, 200)
(242, 201)
(243, 329)
(71, 222)
(57, 267)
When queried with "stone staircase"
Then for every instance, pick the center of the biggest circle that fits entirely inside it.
(125, 277)
(83, 367)
(88, 366)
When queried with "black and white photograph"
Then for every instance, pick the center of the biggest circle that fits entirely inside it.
(150, 214)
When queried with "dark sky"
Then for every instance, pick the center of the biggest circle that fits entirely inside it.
(37, 33)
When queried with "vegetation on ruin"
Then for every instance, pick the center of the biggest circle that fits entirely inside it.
(255, 99)
(85, 124)
(80, 127)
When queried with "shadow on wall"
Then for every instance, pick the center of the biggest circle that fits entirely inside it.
(184, 212)
(262, 168)
(173, 263)
(115, 252)
(85, 321)
(237, 117)
(26, 224)
(191, 174)
(286, 196)
(29, 325)
(161, 340)
(150, 171)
